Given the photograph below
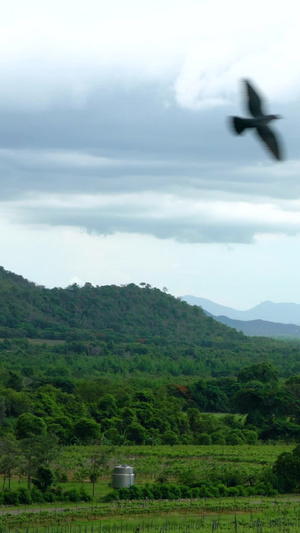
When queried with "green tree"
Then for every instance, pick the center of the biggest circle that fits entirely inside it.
(14, 381)
(264, 372)
(136, 433)
(97, 461)
(62, 427)
(9, 458)
(44, 478)
(170, 437)
(287, 471)
(107, 406)
(29, 425)
(2, 409)
(16, 403)
(36, 451)
(86, 430)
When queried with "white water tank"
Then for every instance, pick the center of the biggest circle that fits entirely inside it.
(123, 476)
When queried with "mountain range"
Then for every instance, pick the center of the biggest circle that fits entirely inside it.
(266, 319)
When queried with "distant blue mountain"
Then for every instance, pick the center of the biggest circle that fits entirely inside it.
(260, 328)
(281, 313)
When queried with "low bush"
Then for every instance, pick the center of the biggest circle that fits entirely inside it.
(24, 496)
(172, 491)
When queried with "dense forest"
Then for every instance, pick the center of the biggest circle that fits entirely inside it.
(133, 364)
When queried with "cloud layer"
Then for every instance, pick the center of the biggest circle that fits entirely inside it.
(113, 121)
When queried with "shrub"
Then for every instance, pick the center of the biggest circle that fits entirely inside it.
(10, 498)
(174, 491)
(24, 495)
(71, 495)
(112, 496)
(44, 478)
(218, 437)
(136, 492)
(235, 438)
(155, 491)
(251, 436)
(222, 489)
(242, 490)
(84, 496)
(147, 490)
(36, 495)
(233, 491)
(195, 492)
(50, 496)
(206, 491)
(204, 439)
(124, 494)
(165, 491)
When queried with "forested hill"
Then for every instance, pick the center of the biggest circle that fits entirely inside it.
(128, 313)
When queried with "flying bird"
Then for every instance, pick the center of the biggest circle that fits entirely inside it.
(259, 122)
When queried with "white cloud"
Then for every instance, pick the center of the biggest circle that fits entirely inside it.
(182, 218)
(56, 55)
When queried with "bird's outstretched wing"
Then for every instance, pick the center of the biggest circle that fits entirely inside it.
(255, 104)
(269, 138)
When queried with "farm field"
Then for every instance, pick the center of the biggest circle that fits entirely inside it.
(174, 463)
(227, 515)
(150, 462)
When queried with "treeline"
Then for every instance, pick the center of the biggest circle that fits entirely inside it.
(147, 412)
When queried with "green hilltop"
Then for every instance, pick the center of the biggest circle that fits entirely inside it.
(127, 313)
(158, 333)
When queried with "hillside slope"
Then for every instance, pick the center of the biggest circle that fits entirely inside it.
(123, 313)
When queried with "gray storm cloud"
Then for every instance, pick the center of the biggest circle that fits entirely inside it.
(127, 163)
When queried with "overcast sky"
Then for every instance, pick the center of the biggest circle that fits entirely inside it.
(117, 164)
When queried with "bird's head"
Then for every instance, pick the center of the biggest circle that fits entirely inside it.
(274, 117)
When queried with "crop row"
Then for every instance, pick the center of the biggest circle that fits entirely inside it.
(283, 518)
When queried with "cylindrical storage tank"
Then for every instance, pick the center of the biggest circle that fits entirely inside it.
(123, 476)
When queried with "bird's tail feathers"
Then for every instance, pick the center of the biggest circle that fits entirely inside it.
(238, 124)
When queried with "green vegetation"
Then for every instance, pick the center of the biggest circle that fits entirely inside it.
(146, 411)
(96, 376)
(194, 469)
(230, 515)
(162, 472)
(134, 365)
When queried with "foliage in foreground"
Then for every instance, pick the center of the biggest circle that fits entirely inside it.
(231, 514)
